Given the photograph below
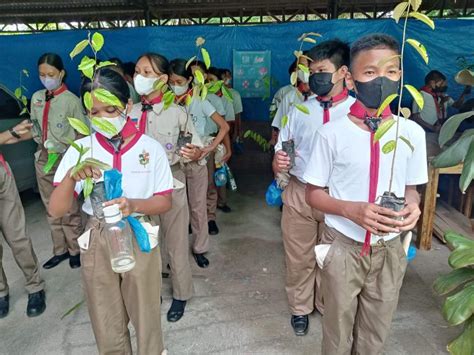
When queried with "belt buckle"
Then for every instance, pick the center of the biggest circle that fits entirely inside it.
(381, 243)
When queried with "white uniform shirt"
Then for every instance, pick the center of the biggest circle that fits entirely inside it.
(200, 112)
(218, 104)
(237, 101)
(143, 163)
(429, 114)
(286, 104)
(302, 129)
(341, 161)
(278, 97)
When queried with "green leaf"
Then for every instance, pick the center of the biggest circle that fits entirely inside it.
(416, 96)
(468, 169)
(415, 4)
(399, 10)
(189, 100)
(302, 108)
(389, 147)
(24, 100)
(88, 73)
(206, 57)
(105, 63)
(86, 63)
(450, 282)
(294, 78)
(309, 40)
(188, 63)
(168, 99)
(215, 86)
(451, 126)
(420, 48)
(284, 121)
(18, 93)
(456, 240)
(423, 18)
(383, 128)
(460, 306)
(25, 110)
(158, 85)
(74, 308)
(385, 60)
(88, 102)
(97, 41)
(107, 97)
(79, 48)
(79, 126)
(97, 163)
(455, 153)
(199, 76)
(247, 133)
(461, 257)
(104, 126)
(407, 142)
(75, 145)
(78, 167)
(464, 343)
(385, 103)
(88, 186)
(227, 93)
(52, 159)
(26, 72)
(204, 92)
(304, 68)
(405, 112)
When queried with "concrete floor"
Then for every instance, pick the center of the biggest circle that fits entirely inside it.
(240, 304)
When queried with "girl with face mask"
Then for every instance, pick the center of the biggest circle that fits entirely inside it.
(114, 299)
(205, 118)
(50, 109)
(169, 126)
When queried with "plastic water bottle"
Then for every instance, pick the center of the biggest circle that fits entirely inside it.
(220, 176)
(230, 176)
(119, 240)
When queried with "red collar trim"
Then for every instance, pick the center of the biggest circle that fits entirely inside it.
(358, 110)
(154, 101)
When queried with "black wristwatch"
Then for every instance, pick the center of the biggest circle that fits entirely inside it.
(13, 133)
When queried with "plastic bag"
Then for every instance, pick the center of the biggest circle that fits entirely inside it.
(273, 195)
(113, 189)
(220, 176)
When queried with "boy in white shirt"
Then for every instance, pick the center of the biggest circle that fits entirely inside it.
(299, 221)
(364, 267)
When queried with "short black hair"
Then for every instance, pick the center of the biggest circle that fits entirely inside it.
(111, 81)
(374, 41)
(225, 71)
(215, 71)
(129, 68)
(201, 66)
(159, 63)
(434, 75)
(178, 67)
(336, 51)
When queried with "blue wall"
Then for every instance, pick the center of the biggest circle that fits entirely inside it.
(451, 39)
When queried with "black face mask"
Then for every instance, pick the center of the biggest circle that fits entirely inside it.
(443, 88)
(321, 83)
(372, 93)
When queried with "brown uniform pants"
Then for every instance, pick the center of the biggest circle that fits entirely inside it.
(196, 180)
(222, 196)
(360, 294)
(64, 230)
(212, 194)
(114, 300)
(299, 226)
(12, 226)
(174, 232)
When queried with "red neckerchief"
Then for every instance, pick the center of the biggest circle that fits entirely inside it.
(440, 109)
(303, 89)
(147, 106)
(326, 105)
(4, 164)
(128, 130)
(359, 111)
(48, 98)
(180, 99)
(219, 93)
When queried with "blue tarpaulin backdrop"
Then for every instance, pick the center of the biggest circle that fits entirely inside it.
(451, 39)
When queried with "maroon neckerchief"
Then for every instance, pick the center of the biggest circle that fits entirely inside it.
(48, 97)
(327, 104)
(147, 106)
(359, 111)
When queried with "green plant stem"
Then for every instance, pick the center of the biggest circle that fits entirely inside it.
(392, 168)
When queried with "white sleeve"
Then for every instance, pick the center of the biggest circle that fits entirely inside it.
(217, 103)
(68, 161)
(277, 119)
(415, 108)
(284, 134)
(238, 108)
(229, 109)
(319, 169)
(163, 183)
(207, 108)
(417, 169)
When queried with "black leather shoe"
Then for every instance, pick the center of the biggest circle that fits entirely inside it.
(225, 209)
(201, 260)
(36, 304)
(56, 260)
(4, 306)
(75, 261)
(300, 325)
(213, 230)
(176, 310)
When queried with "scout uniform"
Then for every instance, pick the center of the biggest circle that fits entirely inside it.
(51, 112)
(115, 299)
(165, 126)
(299, 221)
(12, 226)
(434, 109)
(277, 99)
(287, 101)
(361, 292)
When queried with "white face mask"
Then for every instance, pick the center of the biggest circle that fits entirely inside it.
(144, 86)
(118, 122)
(179, 90)
(51, 83)
(303, 77)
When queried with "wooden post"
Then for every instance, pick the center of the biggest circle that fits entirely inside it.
(428, 207)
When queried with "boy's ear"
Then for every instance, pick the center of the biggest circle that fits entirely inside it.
(349, 80)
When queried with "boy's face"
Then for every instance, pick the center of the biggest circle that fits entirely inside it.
(326, 66)
(369, 65)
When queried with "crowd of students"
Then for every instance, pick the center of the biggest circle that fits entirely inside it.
(329, 199)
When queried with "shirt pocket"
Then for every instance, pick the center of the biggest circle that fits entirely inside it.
(59, 127)
(168, 138)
